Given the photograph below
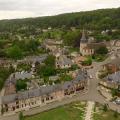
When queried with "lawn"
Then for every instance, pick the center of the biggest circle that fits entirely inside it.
(73, 111)
(101, 115)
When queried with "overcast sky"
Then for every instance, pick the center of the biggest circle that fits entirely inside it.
(10, 9)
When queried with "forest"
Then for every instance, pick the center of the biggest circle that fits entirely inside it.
(98, 20)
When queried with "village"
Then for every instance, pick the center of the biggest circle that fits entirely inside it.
(59, 74)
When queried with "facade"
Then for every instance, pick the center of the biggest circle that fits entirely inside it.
(51, 44)
(113, 66)
(63, 62)
(43, 95)
(89, 46)
(112, 81)
(84, 48)
(115, 44)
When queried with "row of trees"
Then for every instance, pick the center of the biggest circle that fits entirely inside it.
(4, 74)
(18, 49)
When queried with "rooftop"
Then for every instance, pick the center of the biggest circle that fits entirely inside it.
(83, 39)
(43, 90)
(115, 77)
(63, 60)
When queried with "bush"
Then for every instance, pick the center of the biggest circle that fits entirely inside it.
(14, 52)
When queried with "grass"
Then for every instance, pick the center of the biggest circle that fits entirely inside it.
(101, 115)
(99, 58)
(73, 111)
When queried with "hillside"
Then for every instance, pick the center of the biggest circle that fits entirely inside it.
(97, 19)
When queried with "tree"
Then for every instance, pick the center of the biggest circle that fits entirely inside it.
(46, 71)
(71, 38)
(102, 50)
(50, 61)
(114, 92)
(21, 85)
(21, 117)
(4, 74)
(32, 45)
(14, 52)
(105, 108)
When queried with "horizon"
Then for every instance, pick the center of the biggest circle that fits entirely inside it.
(13, 9)
(56, 14)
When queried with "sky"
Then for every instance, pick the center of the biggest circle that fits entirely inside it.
(11, 9)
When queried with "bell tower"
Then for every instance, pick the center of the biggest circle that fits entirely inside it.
(83, 41)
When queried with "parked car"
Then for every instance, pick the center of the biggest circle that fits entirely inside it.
(117, 101)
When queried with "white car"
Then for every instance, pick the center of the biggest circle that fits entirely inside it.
(117, 101)
(91, 77)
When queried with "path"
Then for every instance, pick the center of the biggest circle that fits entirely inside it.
(89, 110)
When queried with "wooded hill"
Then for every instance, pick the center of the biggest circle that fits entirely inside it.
(97, 19)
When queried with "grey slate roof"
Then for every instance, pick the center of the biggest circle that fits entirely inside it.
(34, 59)
(16, 76)
(83, 39)
(115, 77)
(63, 60)
(42, 90)
(23, 75)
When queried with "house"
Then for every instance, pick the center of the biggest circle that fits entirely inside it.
(112, 81)
(10, 88)
(43, 95)
(10, 84)
(113, 66)
(51, 44)
(63, 62)
(115, 44)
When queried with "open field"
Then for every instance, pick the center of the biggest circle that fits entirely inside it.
(73, 111)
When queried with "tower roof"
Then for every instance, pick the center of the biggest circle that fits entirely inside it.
(83, 38)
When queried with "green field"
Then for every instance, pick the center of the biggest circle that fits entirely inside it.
(74, 111)
(101, 115)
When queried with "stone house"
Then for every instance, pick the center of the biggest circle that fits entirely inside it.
(63, 62)
(51, 44)
(112, 81)
(113, 66)
(43, 95)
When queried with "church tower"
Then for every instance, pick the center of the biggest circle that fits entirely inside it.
(83, 42)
